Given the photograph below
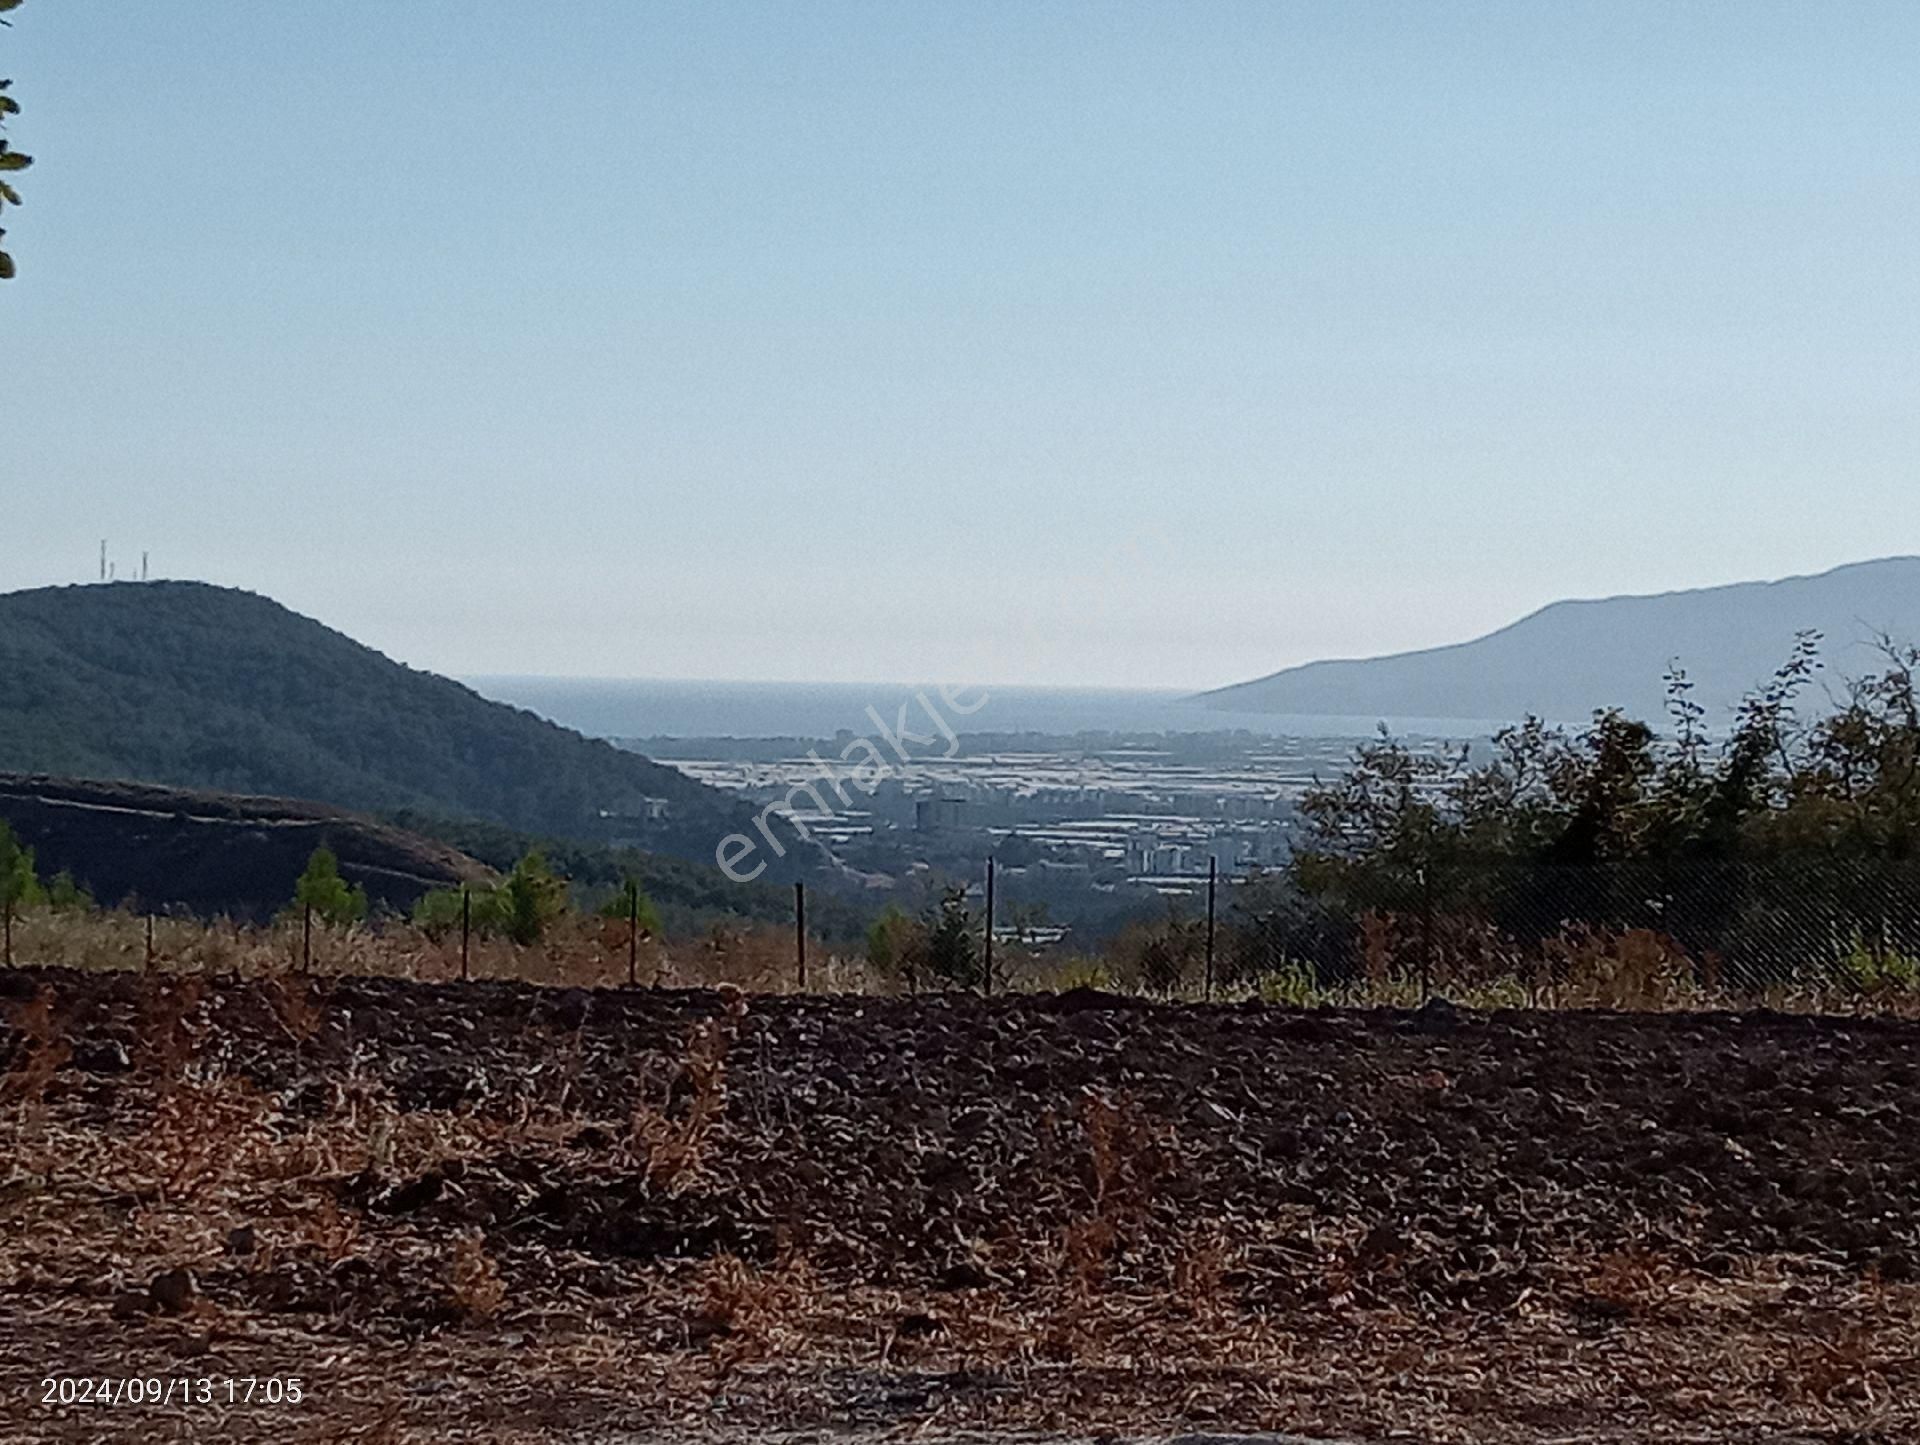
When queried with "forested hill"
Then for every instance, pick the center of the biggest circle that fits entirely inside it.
(190, 685)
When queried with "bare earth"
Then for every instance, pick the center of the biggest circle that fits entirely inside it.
(497, 1212)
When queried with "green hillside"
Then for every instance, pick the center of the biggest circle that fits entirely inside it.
(189, 685)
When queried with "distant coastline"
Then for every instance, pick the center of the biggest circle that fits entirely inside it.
(676, 708)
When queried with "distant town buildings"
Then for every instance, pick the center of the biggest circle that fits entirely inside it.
(933, 815)
(1151, 813)
(641, 810)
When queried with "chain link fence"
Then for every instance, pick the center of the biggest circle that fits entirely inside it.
(1724, 926)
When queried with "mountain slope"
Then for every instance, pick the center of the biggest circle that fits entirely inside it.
(1568, 659)
(189, 685)
(214, 853)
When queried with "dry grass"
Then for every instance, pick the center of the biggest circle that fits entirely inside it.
(1582, 968)
(577, 952)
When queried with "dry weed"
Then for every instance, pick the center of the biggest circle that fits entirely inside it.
(299, 1003)
(745, 1312)
(672, 1150)
(39, 1053)
(1633, 969)
(1629, 1281)
(1128, 1156)
(329, 1228)
(168, 1042)
(476, 1286)
(1846, 1370)
(203, 1132)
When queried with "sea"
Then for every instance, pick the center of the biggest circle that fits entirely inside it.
(678, 708)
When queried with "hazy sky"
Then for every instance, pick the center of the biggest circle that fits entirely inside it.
(1124, 343)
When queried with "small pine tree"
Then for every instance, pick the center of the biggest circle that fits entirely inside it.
(953, 952)
(19, 885)
(531, 898)
(322, 889)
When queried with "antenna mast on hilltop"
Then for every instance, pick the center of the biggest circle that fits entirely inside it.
(103, 559)
(143, 566)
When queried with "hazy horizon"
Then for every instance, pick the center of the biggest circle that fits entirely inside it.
(641, 708)
(1135, 346)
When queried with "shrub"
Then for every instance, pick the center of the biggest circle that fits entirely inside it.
(64, 895)
(1084, 973)
(438, 913)
(1872, 967)
(897, 946)
(1291, 983)
(521, 908)
(1164, 956)
(631, 903)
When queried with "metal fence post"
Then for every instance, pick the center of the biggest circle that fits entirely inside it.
(1213, 876)
(800, 930)
(1426, 932)
(988, 977)
(466, 932)
(148, 966)
(9, 934)
(633, 934)
(306, 938)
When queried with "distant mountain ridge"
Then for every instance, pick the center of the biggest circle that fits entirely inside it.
(1571, 658)
(189, 685)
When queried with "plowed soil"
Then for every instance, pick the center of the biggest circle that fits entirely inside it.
(495, 1212)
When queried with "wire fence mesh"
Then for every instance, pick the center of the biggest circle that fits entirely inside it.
(1723, 925)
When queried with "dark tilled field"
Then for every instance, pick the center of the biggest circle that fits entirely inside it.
(500, 1212)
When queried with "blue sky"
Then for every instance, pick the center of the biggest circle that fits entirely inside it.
(1025, 342)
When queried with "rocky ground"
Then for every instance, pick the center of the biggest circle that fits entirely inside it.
(497, 1212)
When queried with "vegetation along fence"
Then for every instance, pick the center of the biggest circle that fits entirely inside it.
(1737, 926)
